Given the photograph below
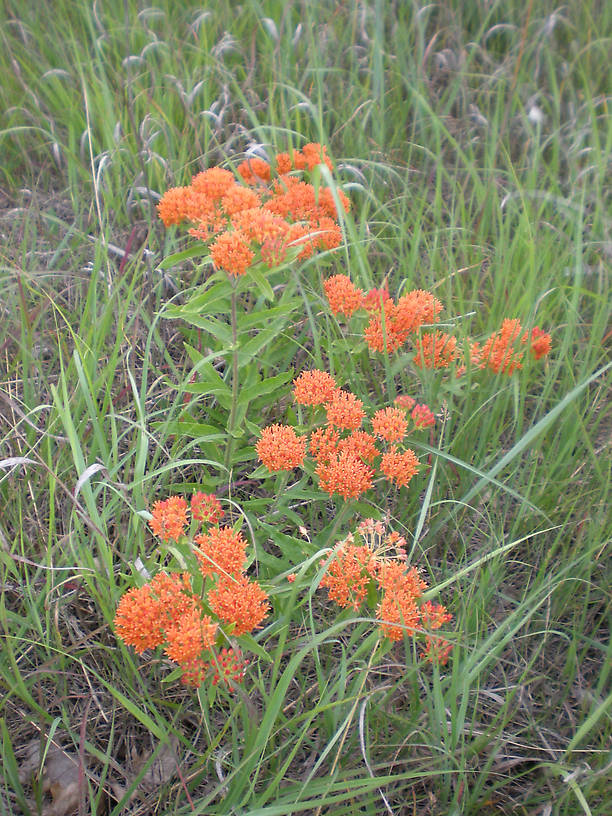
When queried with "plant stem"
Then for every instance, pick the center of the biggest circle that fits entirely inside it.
(232, 417)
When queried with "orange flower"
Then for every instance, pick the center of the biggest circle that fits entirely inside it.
(376, 299)
(171, 208)
(361, 443)
(502, 352)
(206, 507)
(328, 204)
(280, 448)
(390, 424)
(435, 350)
(139, 619)
(541, 342)
(232, 253)
(434, 615)
(221, 550)
(399, 467)
(404, 401)
(259, 225)
(228, 666)
(238, 198)
(345, 411)
(189, 636)
(414, 309)
(213, 182)
(240, 602)
(349, 574)
(324, 444)
(422, 417)
(395, 580)
(384, 336)
(283, 163)
(314, 387)
(169, 518)
(344, 473)
(315, 154)
(343, 295)
(397, 614)
(436, 650)
(254, 171)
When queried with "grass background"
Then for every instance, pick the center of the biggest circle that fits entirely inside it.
(474, 141)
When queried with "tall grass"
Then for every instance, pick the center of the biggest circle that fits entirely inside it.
(474, 141)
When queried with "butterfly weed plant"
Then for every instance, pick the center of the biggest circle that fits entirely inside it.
(252, 229)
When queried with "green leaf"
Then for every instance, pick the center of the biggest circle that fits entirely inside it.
(186, 254)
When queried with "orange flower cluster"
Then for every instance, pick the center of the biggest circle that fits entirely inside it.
(374, 562)
(342, 451)
(168, 612)
(170, 518)
(262, 216)
(391, 324)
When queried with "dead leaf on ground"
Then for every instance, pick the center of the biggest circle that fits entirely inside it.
(60, 777)
(162, 769)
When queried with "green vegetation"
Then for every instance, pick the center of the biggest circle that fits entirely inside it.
(474, 141)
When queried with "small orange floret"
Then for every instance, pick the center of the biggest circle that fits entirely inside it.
(221, 550)
(206, 507)
(315, 154)
(280, 448)
(344, 473)
(422, 417)
(416, 308)
(434, 615)
(232, 253)
(399, 467)
(436, 350)
(314, 387)
(343, 296)
(169, 518)
(283, 163)
(345, 411)
(390, 424)
(397, 615)
(228, 667)
(240, 602)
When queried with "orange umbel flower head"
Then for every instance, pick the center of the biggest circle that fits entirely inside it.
(314, 387)
(213, 182)
(404, 401)
(345, 411)
(343, 296)
(172, 208)
(541, 343)
(144, 613)
(206, 507)
(399, 467)
(324, 444)
(349, 573)
(436, 350)
(346, 474)
(502, 352)
(228, 668)
(169, 518)
(361, 443)
(191, 635)
(239, 602)
(390, 424)
(280, 448)
(254, 171)
(139, 619)
(422, 417)
(238, 199)
(221, 550)
(232, 253)
(398, 611)
(314, 154)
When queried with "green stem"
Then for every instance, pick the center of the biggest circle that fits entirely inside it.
(232, 417)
